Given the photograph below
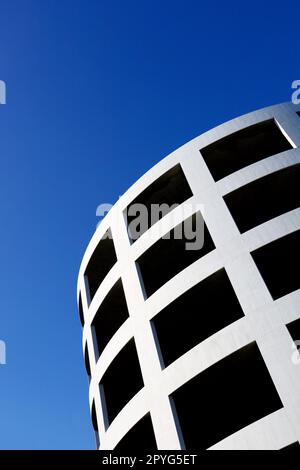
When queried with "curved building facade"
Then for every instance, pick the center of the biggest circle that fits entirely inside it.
(194, 345)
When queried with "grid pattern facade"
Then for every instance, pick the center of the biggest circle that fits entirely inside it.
(197, 353)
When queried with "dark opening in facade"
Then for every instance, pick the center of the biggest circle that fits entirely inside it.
(102, 260)
(170, 189)
(279, 264)
(226, 397)
(95, 424)
(140, 438)
(122, 380)
(293, 446)
(294, 330)
(170, 254)
(265, 198)
(94, 417)
(244, 147)
(87, 361)
(111, 314)
(80, 310)
(197, 314)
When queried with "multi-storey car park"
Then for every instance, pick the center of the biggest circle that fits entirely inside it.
(197, 349)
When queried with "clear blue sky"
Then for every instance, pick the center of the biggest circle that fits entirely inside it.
(97, 92)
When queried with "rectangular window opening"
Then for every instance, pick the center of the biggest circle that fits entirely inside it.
(95, 424)
(121, 381)
(265, 198)
(226, 397)
(164, 194)
(200, 312)
(244, 147)
(112, 313)
(171, 253)
(279, 264)
(87, 362)
(80, 310)
(102, 260)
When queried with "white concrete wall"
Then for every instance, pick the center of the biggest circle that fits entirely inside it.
(264, 319)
